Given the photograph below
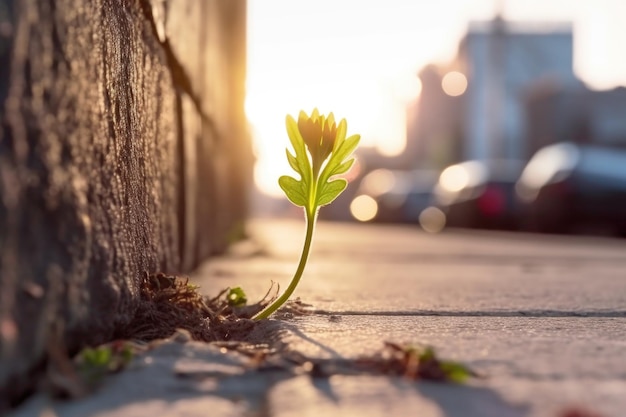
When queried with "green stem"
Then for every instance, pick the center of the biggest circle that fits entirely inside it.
(310, 225)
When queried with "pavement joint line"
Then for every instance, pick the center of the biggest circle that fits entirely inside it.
(478, 259)
(521, 313)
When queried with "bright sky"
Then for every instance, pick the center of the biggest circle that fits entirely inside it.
(359, 59)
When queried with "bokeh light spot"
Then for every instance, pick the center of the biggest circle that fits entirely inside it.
(454, 83)
(378, 182)
(432, 220)
(364, 208)
(454, 178)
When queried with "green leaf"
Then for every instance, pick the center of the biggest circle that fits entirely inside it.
(426, 355)
(455, 372)
(294, 136)
(335, 163)
(127, 355)
(99, 356)
(341, 134)
(301, 164)
(344, 167)
(237, 297)
(295, 190)
(330, 190)
(293, 162)
(346, 148)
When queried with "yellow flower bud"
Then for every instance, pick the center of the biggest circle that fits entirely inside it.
(319, 134)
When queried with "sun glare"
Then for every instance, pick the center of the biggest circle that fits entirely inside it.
(360, 60)
(367, 74)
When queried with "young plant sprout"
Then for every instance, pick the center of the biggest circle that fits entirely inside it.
(328, 156)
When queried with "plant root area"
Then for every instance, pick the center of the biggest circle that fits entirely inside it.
(170, 307)
(168, 303)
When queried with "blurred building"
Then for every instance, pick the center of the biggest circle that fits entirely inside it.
(502, 60)
(435, 136)
(558, 113)
(475, 107)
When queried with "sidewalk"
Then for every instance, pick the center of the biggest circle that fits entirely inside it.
(542, 318)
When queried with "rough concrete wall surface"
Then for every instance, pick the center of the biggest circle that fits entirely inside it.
(122, 150)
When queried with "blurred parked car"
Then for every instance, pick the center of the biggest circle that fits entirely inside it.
(566, 187)
(393, 195)
(479, 194)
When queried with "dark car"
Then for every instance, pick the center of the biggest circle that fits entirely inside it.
(479, 194)
(568, 187)
(393, 195)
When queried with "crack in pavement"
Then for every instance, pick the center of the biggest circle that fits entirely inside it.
(453, 313)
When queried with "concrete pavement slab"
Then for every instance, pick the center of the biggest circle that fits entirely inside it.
(539, 364)
(175, 378)
(368, 396)
(542, 317)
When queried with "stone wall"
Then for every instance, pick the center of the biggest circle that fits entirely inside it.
(123, 149)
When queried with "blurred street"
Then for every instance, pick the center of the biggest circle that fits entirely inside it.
(400, 269)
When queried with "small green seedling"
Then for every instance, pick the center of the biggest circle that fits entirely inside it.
(95, 363)
(328, 156)
(422, 363)
(236, 297)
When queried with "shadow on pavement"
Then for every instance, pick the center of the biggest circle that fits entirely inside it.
(301, 335)
(468, 401)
